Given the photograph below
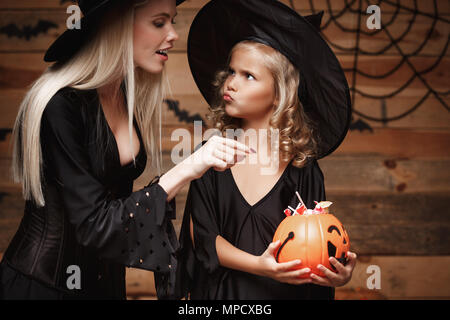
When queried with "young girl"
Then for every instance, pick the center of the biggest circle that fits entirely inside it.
(231, 216)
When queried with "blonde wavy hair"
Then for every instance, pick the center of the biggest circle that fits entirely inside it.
(296, 131)
(106, 56)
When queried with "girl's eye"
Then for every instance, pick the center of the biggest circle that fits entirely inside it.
(173, 21)
(250, 77)
(231, 71)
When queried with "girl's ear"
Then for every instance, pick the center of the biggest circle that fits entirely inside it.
(276, 102)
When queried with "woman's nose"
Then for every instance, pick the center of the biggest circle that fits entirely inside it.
(172, 35)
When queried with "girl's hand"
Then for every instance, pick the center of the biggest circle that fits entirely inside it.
(281, 272)
(219, 153)
(343, 275)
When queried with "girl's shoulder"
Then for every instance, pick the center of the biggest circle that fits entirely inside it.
(309, 164)
(311, 168)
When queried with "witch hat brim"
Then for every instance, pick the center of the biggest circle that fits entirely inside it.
(323, 89)
(68, 43)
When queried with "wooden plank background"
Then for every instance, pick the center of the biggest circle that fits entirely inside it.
(390, 185)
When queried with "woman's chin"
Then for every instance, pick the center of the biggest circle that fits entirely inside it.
(154, 68)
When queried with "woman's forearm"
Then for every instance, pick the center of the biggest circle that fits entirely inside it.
(176, 178)
(218, 153)
(235, 258)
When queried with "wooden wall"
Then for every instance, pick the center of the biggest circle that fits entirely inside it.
(390, 183)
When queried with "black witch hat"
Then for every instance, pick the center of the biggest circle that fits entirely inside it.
(323, 88)
(71, 40)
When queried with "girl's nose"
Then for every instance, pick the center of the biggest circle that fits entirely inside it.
(230, 84)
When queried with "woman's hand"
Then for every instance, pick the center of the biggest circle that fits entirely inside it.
(219, 153)
(332, 279)
(281, 272)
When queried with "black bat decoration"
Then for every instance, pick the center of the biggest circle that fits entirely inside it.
(27, 31)
(4, 133)
(2, 195)
(360, 125)
(182, 115)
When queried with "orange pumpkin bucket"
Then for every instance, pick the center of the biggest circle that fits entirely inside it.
(313, 236)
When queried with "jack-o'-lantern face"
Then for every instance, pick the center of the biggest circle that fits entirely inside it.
(313, 239)
(337, 243)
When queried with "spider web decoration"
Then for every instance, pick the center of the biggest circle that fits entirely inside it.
(359, 7)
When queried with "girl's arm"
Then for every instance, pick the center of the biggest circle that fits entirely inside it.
(234, 258)
(263, 265)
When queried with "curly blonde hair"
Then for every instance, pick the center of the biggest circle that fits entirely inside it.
(298, 140)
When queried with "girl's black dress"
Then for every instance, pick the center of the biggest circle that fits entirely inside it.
(92, 219)
(218, 208)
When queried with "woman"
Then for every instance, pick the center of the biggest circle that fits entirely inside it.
(80, 139)
(279, 75)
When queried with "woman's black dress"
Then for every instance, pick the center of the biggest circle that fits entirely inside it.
(218, 208)
(92, 219)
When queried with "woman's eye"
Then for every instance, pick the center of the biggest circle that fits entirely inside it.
(231, 71)
(250, 77)
(173, 21)
(159, 24)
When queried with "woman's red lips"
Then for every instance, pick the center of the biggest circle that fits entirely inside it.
(227, 97)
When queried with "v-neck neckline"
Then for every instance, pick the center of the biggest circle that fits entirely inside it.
(260, 201)
(116, 146)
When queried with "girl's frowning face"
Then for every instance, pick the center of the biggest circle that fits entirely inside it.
(249, 90)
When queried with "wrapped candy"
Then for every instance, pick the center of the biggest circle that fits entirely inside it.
(322, 206)
(287, 212)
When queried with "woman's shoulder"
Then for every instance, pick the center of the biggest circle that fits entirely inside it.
(67, 103)
(66, 113)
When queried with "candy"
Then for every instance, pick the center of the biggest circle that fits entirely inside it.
(301, 210)
(321, 207)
